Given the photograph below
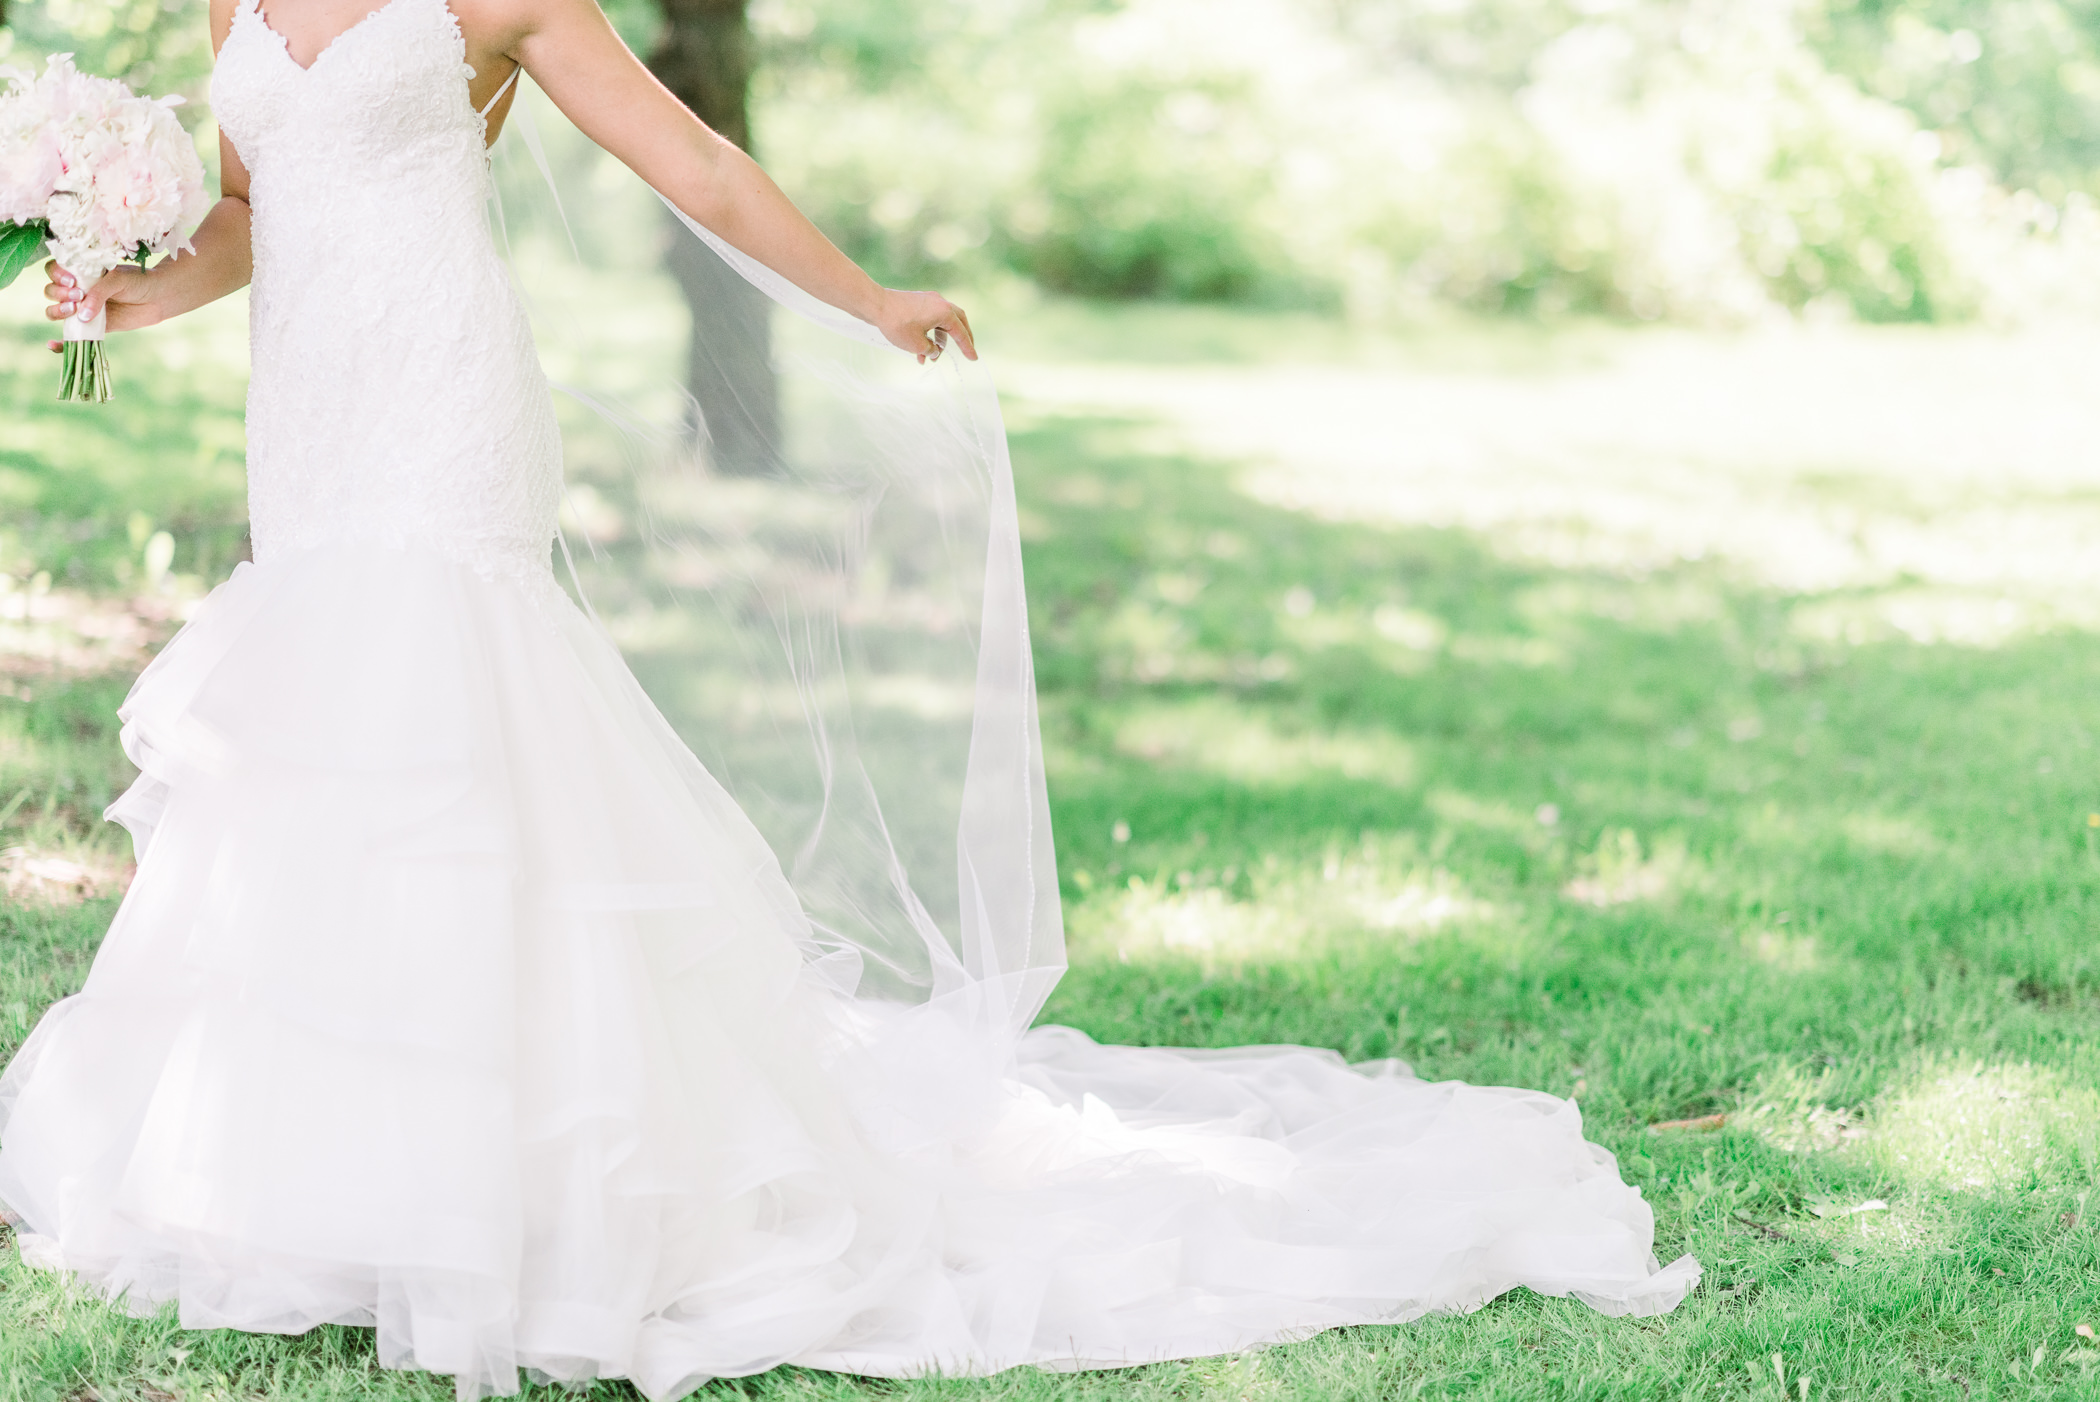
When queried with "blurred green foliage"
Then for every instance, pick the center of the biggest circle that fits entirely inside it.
(1888, 160)
(2012, 87)
(157, 45)
(1699, 160)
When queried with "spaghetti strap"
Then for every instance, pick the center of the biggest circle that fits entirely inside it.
(515, 70)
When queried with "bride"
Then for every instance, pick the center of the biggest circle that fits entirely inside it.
(454, 997)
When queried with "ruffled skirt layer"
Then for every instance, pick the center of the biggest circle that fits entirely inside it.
(454, 998)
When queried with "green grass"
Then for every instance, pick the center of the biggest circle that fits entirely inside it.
(1677, 831)
(167, 451)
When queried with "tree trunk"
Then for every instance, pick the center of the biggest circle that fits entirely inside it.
(704, 58)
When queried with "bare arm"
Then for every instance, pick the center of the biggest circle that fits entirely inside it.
(573, 53)
(221, 263)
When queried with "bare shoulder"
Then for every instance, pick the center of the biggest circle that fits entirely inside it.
(500, 26)
(222, 21)
(579, 61)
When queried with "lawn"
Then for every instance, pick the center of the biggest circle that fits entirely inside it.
(1699, 726)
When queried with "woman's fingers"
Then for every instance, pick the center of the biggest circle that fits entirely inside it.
(68, 298)
(89, 304)
(62, 292)
(114, 292)
(958, 326)
(926, 323)
(953, 325)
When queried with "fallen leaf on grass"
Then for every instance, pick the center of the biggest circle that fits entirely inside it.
(1699, 1123)
(1826, 1208)
(2084, 1331)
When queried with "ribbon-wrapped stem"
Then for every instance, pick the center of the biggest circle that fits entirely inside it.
(84, 372)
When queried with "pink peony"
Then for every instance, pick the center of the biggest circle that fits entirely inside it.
(110, 171)
(29, 158)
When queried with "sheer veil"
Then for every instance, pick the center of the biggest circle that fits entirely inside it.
(805, 544)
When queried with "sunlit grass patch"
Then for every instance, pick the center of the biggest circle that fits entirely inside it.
(1976, 617)
(1211, 735)
(1982, 1126)
(1948, 475)
(1532, 829)
(65, 632)
(1789, 1110)
(1891, 835)
(1277, 910)
(61, 877)
(1618, 871)
(1784, 951)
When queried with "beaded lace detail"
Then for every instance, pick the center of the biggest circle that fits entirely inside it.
(395, 394)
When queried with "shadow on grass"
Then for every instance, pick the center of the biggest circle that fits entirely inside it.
(1701, 843)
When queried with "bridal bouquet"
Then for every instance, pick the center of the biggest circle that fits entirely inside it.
(101, 174)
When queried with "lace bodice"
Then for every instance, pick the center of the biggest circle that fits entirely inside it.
(395, 394)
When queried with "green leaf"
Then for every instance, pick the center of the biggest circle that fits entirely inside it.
(20, 246)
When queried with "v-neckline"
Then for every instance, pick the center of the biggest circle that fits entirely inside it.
(325, 49)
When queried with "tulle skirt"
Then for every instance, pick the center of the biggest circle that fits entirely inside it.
(454, 998)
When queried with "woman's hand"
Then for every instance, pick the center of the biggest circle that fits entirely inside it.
(126, 292)
(922, 323)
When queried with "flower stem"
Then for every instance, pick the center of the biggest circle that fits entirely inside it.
(84, 373)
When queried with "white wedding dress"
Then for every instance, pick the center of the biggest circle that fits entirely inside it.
(455, 998)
